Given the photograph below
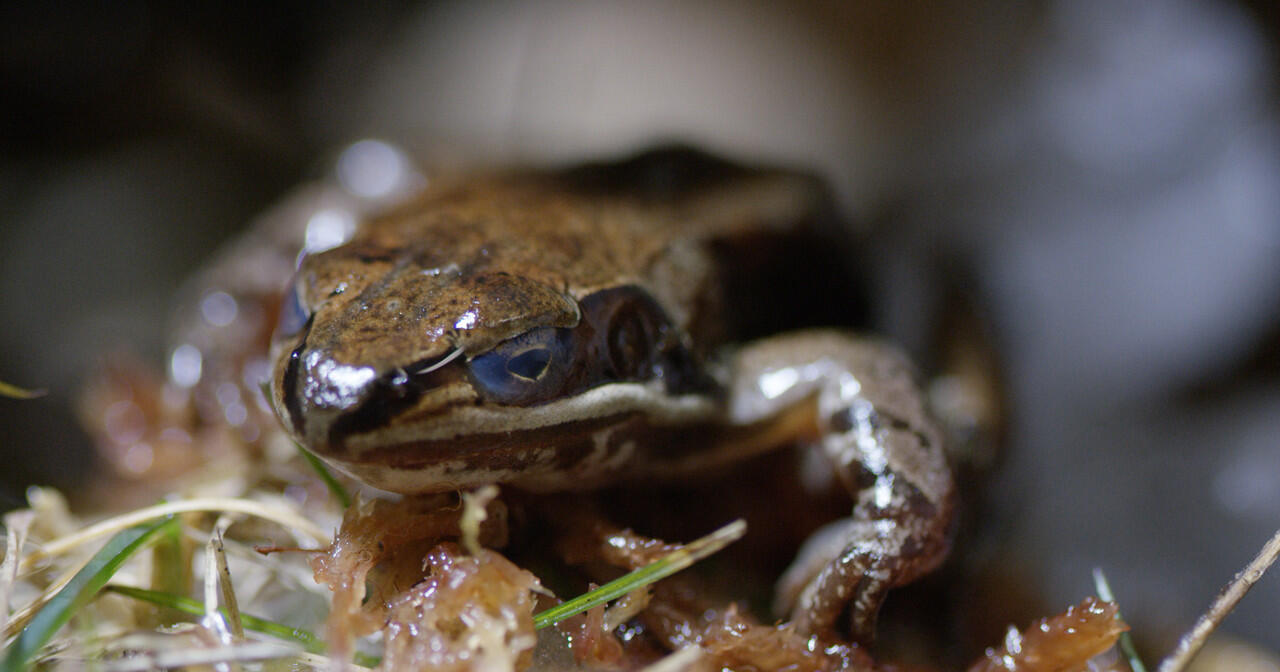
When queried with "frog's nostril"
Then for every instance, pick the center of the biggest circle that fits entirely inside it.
(388, 395)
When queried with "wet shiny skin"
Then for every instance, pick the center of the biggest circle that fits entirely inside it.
(564, 330)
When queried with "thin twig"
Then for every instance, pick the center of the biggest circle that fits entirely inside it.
(217, 581)
(19, 619)
(140, 661)
(16, 524)
(1191, 642)
(268, 511)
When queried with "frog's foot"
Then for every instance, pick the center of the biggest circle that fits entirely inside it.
(876, 434)
(852, 564)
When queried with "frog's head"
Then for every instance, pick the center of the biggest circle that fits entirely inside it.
(422, 367)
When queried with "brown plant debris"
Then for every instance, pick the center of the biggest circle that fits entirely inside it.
(378, 556)
(1062, 643)
(472, 612)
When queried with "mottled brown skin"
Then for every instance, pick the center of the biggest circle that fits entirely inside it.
(561, 330)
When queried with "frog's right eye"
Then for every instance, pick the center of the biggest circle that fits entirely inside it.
(293, 316)
(527, 369)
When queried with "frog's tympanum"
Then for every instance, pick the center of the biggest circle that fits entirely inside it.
(639, 320)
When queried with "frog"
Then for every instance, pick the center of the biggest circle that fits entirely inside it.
(652, 317)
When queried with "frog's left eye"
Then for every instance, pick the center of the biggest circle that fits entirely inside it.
(293, 316)
(527, 369)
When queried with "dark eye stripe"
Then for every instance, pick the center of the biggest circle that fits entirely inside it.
(394, 392)
(289, 383)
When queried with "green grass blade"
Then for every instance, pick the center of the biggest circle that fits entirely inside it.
(1126, 642)
(658, 569)
(15, 392)
(170, 561)
(335, 488)
(309, 641)
(76, 594)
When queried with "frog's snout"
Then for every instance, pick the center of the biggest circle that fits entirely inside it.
(329, 402)
(316, 389)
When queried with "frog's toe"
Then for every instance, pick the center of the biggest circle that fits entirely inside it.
(850, 565)
(818, 551)
(832, 573)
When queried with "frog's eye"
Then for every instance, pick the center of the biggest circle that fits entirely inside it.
(293, 316)
(531, 364)
(629, 343)
(527, 369)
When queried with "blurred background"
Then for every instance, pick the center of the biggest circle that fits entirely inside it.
(1104, 176)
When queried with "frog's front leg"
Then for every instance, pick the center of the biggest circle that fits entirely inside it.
(874, 430)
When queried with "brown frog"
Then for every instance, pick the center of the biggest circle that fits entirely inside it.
(644, 319)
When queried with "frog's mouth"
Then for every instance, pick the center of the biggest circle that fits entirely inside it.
(527, 456)
(570, 444)
(451, 418)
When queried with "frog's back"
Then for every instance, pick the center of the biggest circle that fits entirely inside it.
(729, 251)
(748, 250)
